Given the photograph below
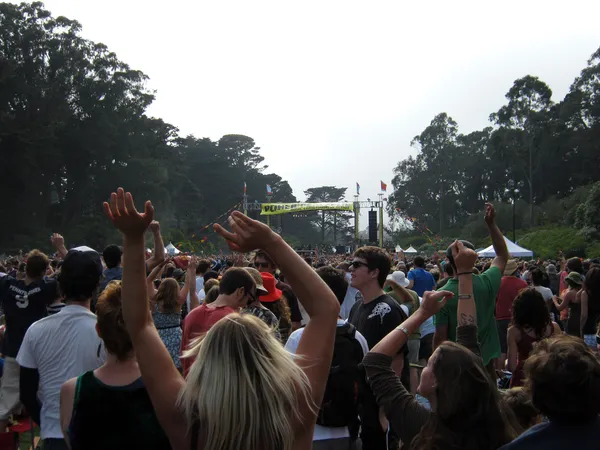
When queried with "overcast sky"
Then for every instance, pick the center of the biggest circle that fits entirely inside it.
(334, 91)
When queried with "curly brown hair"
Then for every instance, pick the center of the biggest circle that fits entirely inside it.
(563, 376)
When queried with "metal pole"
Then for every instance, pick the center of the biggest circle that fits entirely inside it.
(514, 216)
(245, 204)
(356, 221)
(381, 220)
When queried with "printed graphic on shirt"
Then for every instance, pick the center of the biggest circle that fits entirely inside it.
(22, 296)
(381, 309)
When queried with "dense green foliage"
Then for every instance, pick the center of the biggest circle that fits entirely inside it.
(536, 150)
(73, 127)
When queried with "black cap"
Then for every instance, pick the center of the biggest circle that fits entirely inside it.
(82, 263)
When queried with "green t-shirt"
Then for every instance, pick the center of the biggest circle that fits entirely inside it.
(485, 290)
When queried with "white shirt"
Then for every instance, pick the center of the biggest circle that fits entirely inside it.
(199, 287)
(321, 433)
(349, 301)
(60, 347)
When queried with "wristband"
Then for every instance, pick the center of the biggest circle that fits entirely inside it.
(464, 273)
(465, 296)
(403, 329)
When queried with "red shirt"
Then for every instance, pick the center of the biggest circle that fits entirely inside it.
(509, 288)
(197, 323)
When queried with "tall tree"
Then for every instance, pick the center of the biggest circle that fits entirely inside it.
(333, 221)
(523, 122)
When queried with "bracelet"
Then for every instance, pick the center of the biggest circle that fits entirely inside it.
(465, 296)
(403, 329)
(464, 273)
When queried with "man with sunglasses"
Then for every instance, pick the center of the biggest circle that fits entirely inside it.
(263, 263)
(374, 317)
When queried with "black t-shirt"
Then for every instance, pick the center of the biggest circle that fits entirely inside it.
(295, 313)
(374, 320)
(23, 304)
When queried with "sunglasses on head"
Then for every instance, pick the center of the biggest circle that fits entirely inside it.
(358, 264)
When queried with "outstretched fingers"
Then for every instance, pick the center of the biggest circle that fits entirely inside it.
(121, 201)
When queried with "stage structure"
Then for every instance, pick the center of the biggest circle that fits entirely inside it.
(272, 209)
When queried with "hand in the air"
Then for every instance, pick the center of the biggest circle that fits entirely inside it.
(246, 234)
(433, 301)
(121, 211)
(154, 226)
(490, 214)
(464, 257)
(57, 240)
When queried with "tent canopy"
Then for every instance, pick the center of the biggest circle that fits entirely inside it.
(513, 250)
(410, 249)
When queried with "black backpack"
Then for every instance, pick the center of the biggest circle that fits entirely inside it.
(340, 402)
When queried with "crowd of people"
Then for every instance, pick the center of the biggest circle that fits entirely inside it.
(266, 349)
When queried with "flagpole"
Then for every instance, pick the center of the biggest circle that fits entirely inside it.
(381, 220)
(356, 221)
(245, 201)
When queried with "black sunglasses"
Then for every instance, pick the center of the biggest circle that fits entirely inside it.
(258, 265)
(358, 264)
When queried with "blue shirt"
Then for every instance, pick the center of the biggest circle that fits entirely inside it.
(423, 281)
(551, 436)
(116, 273)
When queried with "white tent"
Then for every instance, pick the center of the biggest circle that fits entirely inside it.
(513, 249)
(172, 250)
(411, 249)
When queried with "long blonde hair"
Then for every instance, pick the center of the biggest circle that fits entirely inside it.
(243, 387)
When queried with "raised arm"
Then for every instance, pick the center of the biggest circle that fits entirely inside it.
(394, 341)
(466, 312)
(58, 242)
(150, 289)
(159, 246)
(316, 344)
(161, 378)
(584, 311)
(405, 414)
(190, 285)
(497, 238)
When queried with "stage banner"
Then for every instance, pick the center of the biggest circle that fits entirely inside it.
(272, 209)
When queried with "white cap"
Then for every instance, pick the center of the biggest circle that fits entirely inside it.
(399, 277)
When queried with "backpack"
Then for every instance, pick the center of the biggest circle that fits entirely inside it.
(340, 402)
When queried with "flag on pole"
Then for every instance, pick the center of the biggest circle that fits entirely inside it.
(245, 188)
(269, 190)
(357, 189)
(383, 187)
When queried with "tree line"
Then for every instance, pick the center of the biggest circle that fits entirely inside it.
(535, 151)
(73, 126)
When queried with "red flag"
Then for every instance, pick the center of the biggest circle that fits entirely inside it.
(383, 187)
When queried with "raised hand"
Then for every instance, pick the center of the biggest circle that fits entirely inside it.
(121, 211)
(433, 301)
(193, 264)
(57, 240)
(464, 257)
(246, 234)
(490, 214)
(154, 226)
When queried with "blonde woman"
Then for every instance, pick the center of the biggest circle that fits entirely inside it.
(243, 391)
